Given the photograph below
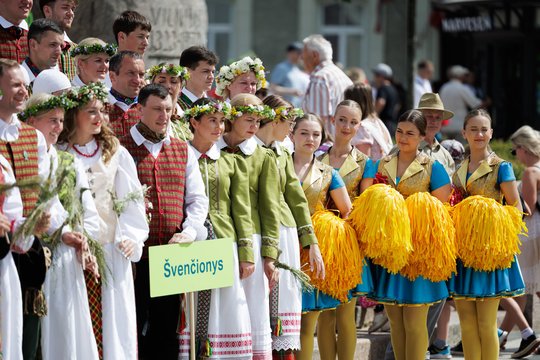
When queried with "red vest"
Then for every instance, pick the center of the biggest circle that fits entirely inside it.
(120, 122)
(24, 161)
(13, 48)
(165, 177)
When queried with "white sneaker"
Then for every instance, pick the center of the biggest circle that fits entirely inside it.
(379, 319)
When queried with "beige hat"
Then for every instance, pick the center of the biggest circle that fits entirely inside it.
(432, 101)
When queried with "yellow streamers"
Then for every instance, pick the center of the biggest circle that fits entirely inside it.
(433, 239)
(382, 223)
(487, 233)
(341, 255)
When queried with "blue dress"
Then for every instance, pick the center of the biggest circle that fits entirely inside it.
(471, 283)
(396, 288)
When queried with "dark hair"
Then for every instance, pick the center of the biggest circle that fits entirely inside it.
(423, 64)
(50, 3)
(349, 103)
(274, 101)
(40, 27)
(115, 62)
(361, 93)
(152, 89)
(311, 117)
(6, 64)
(191, 56)
(129, 21)
(476, 112)
(417, 118)
(200, 102)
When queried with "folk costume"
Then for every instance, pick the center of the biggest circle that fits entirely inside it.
(223, 326)
(187, 99)
(179, 127)
(112, 303)
(13, 40)
(263, 185)
(65, 287)
(179, 204)
(66, 62)
(123, 114)
(295, 229)
(484, 276)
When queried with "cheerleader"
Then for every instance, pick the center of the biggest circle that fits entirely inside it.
(244, 76)
(407, 301)
(222, 313)
(112, 176)
(478, 287)
(286, 298)
(351, 165)
(92, 59)
(263, 179)
(320, 183)
(172, 77)
(64, 287)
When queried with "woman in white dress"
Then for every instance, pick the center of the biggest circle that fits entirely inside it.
(112, 176)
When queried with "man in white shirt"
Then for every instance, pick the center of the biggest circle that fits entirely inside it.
(201, 64)
(422, 81)
(170, 169)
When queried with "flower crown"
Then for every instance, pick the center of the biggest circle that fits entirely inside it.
(285, 112)
(108, 49)
(228, 73)
(55, 102)
(263, 111)
(86, 93)
(171, 69)
(211, 108)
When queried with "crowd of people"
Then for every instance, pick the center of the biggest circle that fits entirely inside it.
(102, 157)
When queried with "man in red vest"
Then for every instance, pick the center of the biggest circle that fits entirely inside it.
(179, 208)
(126, 70)
(14, 29)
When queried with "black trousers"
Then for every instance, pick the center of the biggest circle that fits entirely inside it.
(157, 319)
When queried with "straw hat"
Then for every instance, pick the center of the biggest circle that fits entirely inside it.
(432, 101)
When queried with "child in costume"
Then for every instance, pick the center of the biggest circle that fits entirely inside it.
(320, 183)
(407, 296)
(222, 313)
(483, 277)
(352, 165)
(247, 113)
(112, 176)
(286, 297)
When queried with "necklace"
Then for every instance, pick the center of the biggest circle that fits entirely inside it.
(86, 155)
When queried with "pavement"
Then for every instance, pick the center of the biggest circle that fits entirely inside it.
(512, 345)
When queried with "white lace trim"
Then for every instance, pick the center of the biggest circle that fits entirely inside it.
(286, 342)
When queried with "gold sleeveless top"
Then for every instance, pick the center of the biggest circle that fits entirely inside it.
(415, 179)
(483, 181)
(351, 171)
(316, 185)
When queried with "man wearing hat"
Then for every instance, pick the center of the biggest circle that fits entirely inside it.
(287, 79)
(387, 97)
(433, 110)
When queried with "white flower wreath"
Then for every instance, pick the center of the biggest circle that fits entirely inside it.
(228, 73)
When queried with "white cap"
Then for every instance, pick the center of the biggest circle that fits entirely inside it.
(457, 71)
(50, 81)
(383, 70)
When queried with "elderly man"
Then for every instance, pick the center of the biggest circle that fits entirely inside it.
(327, 82)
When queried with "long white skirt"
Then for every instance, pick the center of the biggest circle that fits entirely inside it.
(66, 330)
(257, 294)
(118, 308)
(289, 304)
(229, 328)
(11, 317)
(529, 259)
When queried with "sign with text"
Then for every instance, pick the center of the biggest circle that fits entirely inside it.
(181, 268)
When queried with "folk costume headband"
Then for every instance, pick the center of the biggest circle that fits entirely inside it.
(227, 74)
(263, 111)
(55, 102)
(84, 94)
(108, 49)
(170, 69)
(211, 108)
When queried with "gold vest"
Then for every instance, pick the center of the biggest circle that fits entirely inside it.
(483, 181)
(351, 171)
(415, 179)
(316, 186)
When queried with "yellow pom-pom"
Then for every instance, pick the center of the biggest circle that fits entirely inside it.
(340, 253)
(433, 239)
(487, 233)
(382, 224)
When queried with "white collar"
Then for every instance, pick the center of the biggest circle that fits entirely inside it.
(66, 38)
(122, 105)
(10, 131)
(6, 24)
(247, 147)
(31, 75)
(275, 144)
(139, 139)
(213, 153)
(190, 95)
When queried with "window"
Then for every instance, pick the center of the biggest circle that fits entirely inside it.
(341, 25)
(220, 27)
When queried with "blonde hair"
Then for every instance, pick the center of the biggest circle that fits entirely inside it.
(89, 41)
(527, 138)
(245, 99)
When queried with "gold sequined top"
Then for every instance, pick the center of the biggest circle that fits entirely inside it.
(316, 185)
(415, 179)
(483, 181)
